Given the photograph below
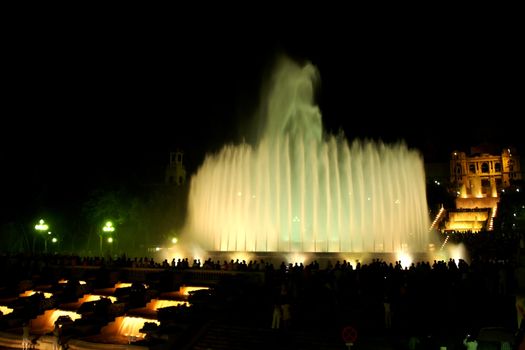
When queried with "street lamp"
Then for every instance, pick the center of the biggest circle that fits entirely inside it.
(41, 227)
(108, 227)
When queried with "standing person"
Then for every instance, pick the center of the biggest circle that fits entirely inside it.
(26, 343)
(388, 313)
(56, 336)
(470, 343)
(520, 334)
(287, 315)
(277, 315)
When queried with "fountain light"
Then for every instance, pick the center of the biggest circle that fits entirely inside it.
(405, 258)
(286, 192)
(4, 310)
(29, 293)
(130, 326)
(156, 304)
(185, 290)
(297, 258)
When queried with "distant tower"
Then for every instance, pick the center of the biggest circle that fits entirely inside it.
(175, 172)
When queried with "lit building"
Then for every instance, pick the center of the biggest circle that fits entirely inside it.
(478, 180)
(483, 174)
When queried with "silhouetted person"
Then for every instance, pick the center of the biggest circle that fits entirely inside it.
(388, 313)
(276, 317)
(470, 343)
(26, 342)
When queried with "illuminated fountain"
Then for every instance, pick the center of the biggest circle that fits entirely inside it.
(157, 304)
(40, 329)
(85, 299)
(4, 310)
(119, 334)
(298, 190)
(45, 323)
(29, 293)
(126, 328)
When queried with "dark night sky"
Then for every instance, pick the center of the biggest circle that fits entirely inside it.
(83, 104)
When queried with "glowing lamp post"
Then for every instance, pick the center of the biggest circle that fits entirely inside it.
(41, 227)
(108, 228)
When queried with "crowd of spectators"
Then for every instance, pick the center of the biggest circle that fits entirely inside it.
(448, 297)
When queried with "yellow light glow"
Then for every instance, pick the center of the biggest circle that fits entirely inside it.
(93, 297)
(241, 256)
(438, 216)
(174, 240)
(130, 326)
(406, 260)
(57, 313)
(159, 304)
(108, 227)
(28, 293)
(457, 252)
(123, 285)
(41, 226)
(296, 258)
(5, 310)
(185, 290)
(63, 281)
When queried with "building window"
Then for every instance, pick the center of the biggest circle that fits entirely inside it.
(485, 168)
(458, 170)
(497, 167)
(485, 183)
(472, 168)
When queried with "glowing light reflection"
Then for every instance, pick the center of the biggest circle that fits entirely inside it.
(185, 290)
(29, 293)
(130, 326)
(406, 259)
(93, 297)
(159, 304)
(4, 310)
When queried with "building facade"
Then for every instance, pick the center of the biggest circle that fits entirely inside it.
(478, 179)
(175, 171)
(482, 174)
